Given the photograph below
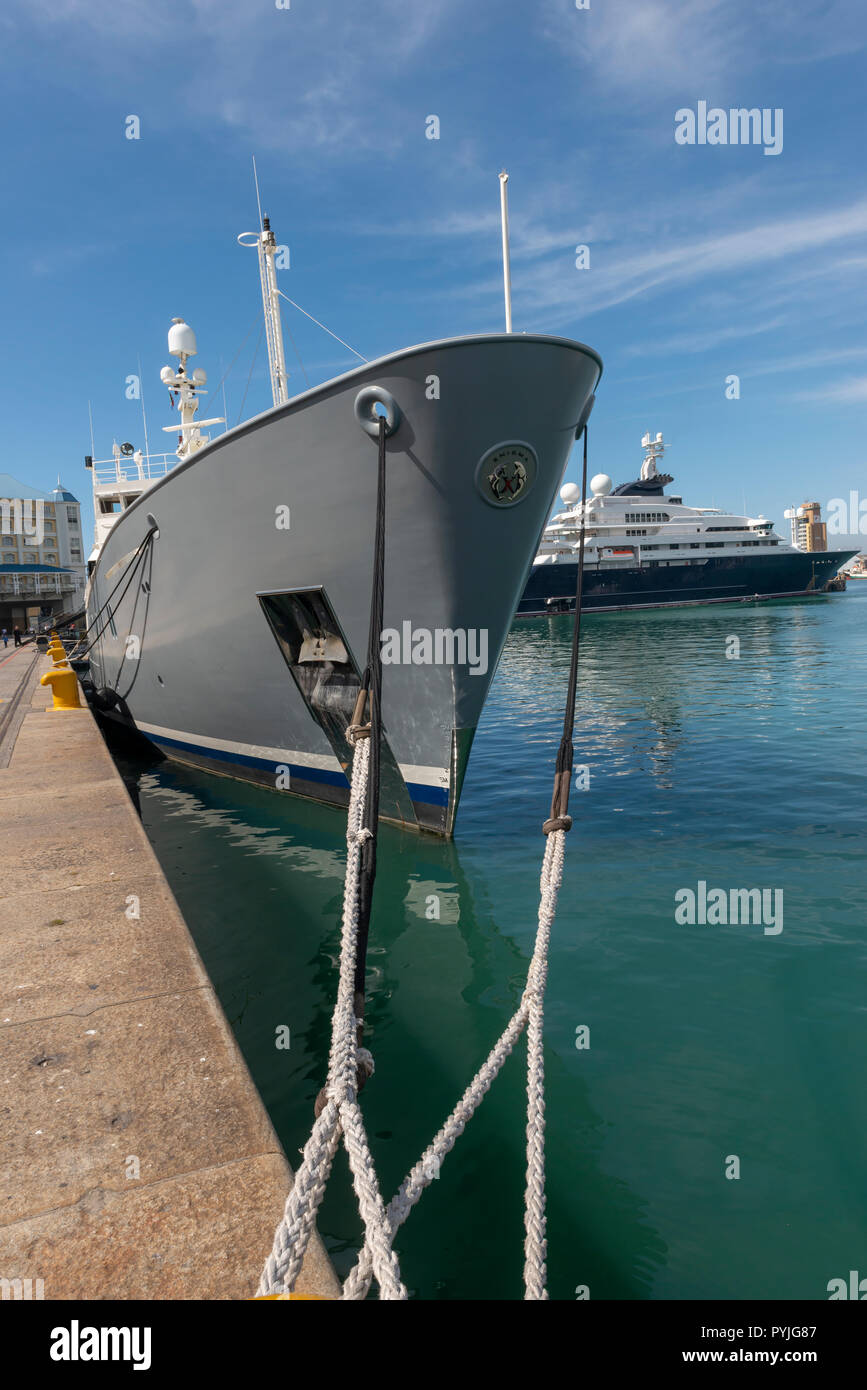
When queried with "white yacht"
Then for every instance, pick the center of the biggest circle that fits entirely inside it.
(644, 549)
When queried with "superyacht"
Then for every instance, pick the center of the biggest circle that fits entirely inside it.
(644, 549)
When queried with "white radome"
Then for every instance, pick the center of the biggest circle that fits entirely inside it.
(182, 339)
(570, 493)
(600, 485)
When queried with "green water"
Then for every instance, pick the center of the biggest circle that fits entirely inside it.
(705, 1041)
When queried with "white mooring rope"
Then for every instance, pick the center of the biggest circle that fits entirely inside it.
(341, 1115)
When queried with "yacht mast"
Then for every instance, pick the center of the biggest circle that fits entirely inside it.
(266, 246)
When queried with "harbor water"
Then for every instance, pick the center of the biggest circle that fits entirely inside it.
(708, 1141)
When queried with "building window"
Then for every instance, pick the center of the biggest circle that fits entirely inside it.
(72, 516)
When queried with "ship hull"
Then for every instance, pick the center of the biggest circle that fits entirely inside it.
(551, 588)
(199, 655)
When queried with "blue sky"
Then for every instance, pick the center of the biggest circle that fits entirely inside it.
(705, 261)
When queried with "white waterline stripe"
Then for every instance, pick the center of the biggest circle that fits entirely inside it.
(251, 750)
(429, 776)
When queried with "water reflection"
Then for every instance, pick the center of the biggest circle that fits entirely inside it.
(740, 771)
(260, 883)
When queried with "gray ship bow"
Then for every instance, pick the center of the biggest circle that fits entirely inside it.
(239, 643)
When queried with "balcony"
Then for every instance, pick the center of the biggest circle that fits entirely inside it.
(37, 581)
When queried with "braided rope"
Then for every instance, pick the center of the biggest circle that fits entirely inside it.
(530, 1010)
(341, 1116)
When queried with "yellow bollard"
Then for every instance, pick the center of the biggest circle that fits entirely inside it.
(64, 687)
(303, 1297)
(56, 649)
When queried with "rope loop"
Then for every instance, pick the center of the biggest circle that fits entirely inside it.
(556, 823)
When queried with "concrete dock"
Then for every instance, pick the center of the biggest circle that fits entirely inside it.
(136, 1156)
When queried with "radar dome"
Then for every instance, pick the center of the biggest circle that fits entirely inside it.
(182, 339)
(600, 485)
(570, 493)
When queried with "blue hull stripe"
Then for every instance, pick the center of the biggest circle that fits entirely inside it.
(429, 796)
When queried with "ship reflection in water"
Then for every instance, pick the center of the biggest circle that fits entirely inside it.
(698, 764)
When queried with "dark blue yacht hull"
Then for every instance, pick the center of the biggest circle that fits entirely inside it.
(655, 584)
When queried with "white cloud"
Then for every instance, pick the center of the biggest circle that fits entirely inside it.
(704, 339)
(616, 278)
(851, 392)
(641, 48)
(298, 80)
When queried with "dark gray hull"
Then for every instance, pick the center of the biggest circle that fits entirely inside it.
(210, 684)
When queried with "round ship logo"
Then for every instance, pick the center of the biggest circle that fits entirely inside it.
(508, 481)
(505, 474)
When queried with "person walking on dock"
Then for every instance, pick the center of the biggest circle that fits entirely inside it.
(5, 636)
(16, 632)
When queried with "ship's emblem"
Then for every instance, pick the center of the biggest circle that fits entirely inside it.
(506, 474)
(508, 480)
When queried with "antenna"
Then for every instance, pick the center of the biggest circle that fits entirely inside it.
(90, 417)
(256, 181)
(144, 418)
(507, 274)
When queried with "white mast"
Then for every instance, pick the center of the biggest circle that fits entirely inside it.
(266, 245)
(189, 386)
(507, 274)
(655, 449)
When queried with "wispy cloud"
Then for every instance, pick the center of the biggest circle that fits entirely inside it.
(554, 286)
(704, 340)
(851, 392)
(633, 49)
(227, 58)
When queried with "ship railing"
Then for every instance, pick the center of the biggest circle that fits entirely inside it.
(127, 470)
